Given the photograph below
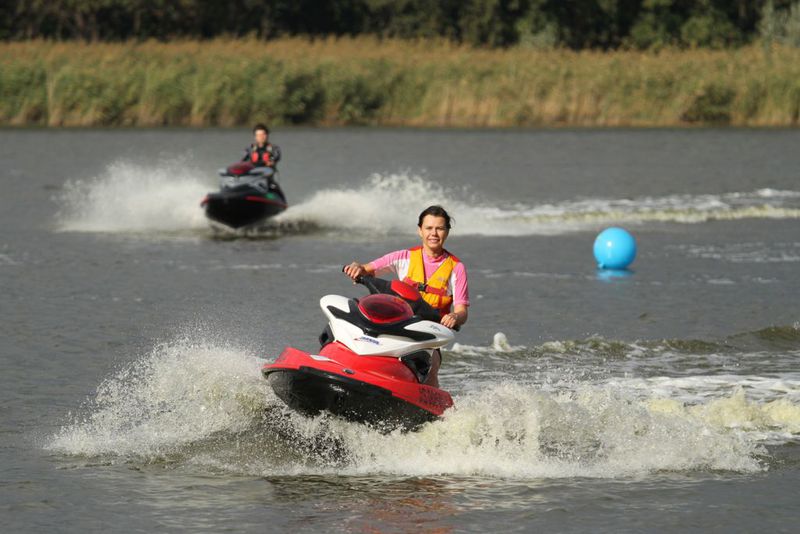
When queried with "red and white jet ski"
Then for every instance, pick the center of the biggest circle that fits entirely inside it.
(375, 353)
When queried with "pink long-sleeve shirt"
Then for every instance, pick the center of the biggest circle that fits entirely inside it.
(398, 262)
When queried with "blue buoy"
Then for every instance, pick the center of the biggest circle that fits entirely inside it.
(614, 248)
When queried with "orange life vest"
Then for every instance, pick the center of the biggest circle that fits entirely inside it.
(433, 290)
(266, 156)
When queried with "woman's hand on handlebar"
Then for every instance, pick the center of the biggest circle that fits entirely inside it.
(355, 271)
(450, 320)
(455, 318)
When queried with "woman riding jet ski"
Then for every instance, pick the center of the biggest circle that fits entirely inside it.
(439, 275)
(380, 355)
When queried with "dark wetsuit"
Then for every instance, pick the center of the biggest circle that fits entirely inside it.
(266, 156)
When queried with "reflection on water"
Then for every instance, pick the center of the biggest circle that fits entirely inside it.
(365, 503)
(609, 275)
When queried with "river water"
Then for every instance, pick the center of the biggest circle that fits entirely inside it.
(132, 334)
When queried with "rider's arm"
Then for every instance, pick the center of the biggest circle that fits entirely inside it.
(389, 263)
(462, 312)
(276, 154)
(460, 290)
(457, 317)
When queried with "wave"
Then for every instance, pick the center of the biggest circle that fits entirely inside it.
(758, 252)
(741, 357)
(131, 198)
(771, 338)
(165, 198)
(384, 202)
(200, 402)
(747, 381)
(181, 393)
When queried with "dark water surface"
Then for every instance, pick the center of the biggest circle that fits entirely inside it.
(665, 398)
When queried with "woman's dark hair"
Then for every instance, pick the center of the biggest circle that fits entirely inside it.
(260, 126)
(436, 211)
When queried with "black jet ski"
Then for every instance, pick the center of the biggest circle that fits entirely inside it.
(248, 195)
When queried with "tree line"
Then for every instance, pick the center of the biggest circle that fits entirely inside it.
(575, 24)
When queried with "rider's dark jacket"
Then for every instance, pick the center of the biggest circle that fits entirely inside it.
(266, 156)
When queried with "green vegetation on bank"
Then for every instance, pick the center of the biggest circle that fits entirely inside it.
(390, 82)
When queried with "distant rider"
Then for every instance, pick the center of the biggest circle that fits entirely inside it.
(262, 153)
(440, 276)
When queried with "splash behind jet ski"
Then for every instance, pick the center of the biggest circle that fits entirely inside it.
(248, 195)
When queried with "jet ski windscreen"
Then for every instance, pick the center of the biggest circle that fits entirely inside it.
(383, 309)
(240, 168)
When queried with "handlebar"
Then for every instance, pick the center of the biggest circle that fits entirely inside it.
(419, 306)
(373, 284)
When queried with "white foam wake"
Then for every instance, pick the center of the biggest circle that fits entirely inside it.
(203, 403)
(514, 430)
(765, 407)
(182, 392)
(135, 198)
(165, 198)
(387, 204)
(384, 204)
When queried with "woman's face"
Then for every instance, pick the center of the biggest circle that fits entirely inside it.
(433, 232)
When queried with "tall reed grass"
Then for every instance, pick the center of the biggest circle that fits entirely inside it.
(398, 83)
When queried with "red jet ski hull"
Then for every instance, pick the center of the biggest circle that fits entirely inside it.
(380, 391)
